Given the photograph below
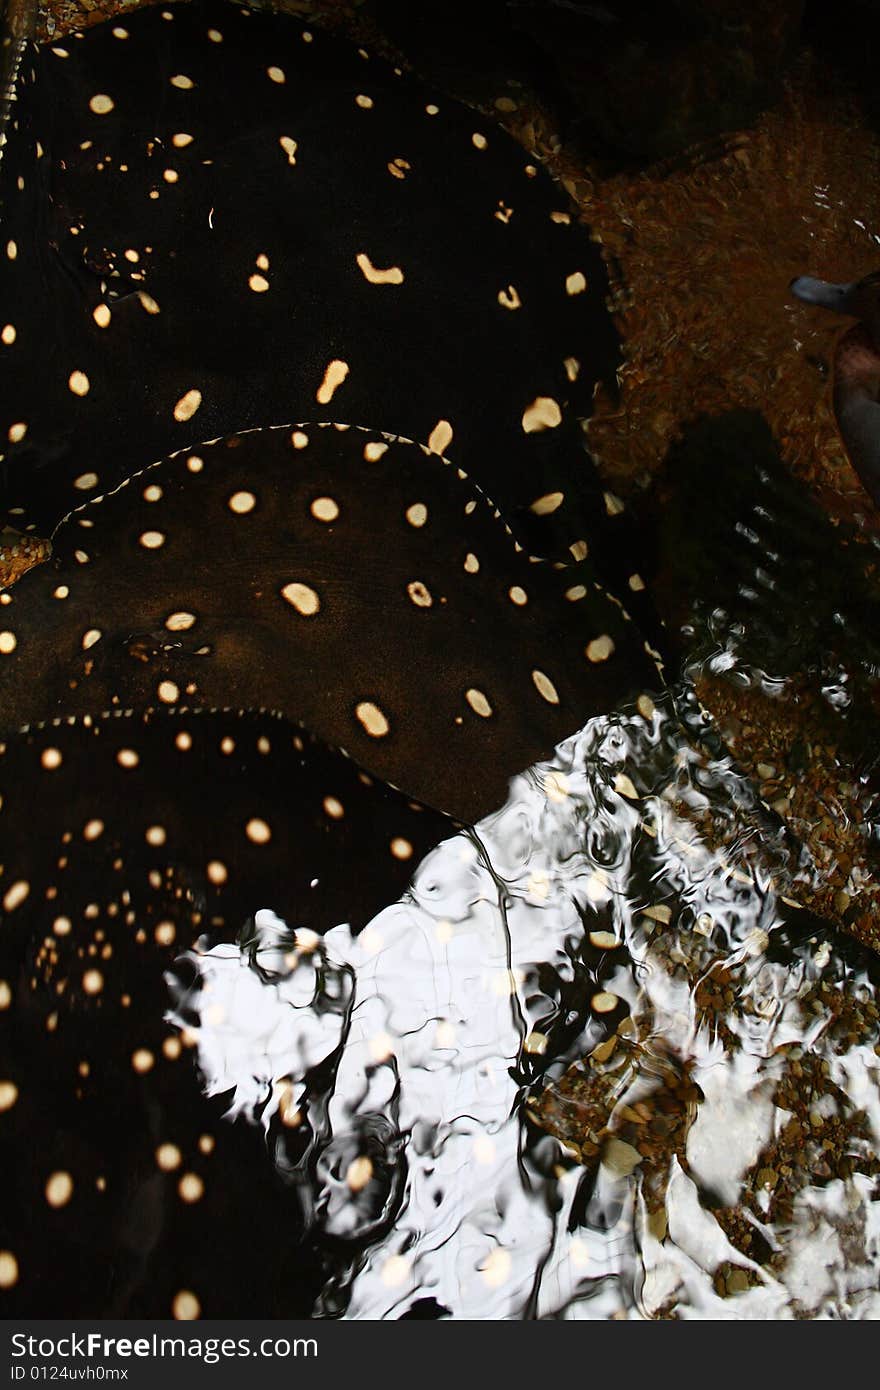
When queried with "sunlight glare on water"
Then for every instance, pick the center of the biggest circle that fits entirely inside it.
(590, 1066)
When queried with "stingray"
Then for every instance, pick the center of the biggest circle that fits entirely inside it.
(216, 219)
(156, 833)
(354, 581)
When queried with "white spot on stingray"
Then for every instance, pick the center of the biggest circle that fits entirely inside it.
(288, 145)
(16, 894)
(8, 643)
(440, 437)
(182, 82)
(181, 621)
(187, 406)
(509, 299)
(181, 140)
(471, 563)
(85, 482)
(79, 383)
(479, 141)
(575, 283)
(372, 719)
(478, 703)
(419, 593)
(299, 439)
(550, 502)
(168, 692)
(276, 75)
(242, 502)
(257, 831)
(152, 540)
(101, 315)
(517, 596)
(334, 376)
(417, 514)
(374, 450)
(364, 102)
(17, 432)
(392, 276)
(101, 104)
(324, 509)
(148, 303)
(542, 414)
(8, 335)
(90, 638)
(600, 648)
(302, 598)
(545, 687)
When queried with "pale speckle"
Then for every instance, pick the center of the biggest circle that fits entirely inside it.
(302, 598)
(545, 687)
(542, 414)
(518, 595)
(372, 719)
(242, 502)
(374, 450)
(575, 283)
(376, 276)
(288, 145)
(549, 503)
(79, 383)
(101, 315)
(101, 104)
(419, 593)
(478, 702)
(182, 82)
(168, 692)
(8, 334)
(152, 540)
(334, 376)
(471, 563)
(509, 299)
(364, 102)
(185, 1306)
(187, 406)
(324, 509)
(440, 437)
(600, 648)
(59, 1189)
(180, 621)
(417, 514)
(276, 75)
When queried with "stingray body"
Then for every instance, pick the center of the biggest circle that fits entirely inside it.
(154, 833)
(216, 219)
(359, 583)
(216, 222)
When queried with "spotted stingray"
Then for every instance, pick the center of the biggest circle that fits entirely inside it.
(216, 219)
(357, 582)
(218, 224)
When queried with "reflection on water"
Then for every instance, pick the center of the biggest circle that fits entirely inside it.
(592, 1065)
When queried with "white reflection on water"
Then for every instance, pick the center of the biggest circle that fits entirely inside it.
(391, 1071)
